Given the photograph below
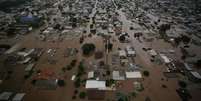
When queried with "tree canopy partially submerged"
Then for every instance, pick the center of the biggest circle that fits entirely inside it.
(88, 48)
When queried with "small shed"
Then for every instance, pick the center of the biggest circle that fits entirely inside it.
(152, 52)
(73, 77)
(91, 74)
(122, 53)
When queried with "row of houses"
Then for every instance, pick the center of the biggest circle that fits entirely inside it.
(11, 96)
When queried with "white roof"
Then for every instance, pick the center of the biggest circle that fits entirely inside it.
(128, 48)
(46, 31)
(122, 53)
(152, 52)
(187, 67)
(91, 74)
(73, 77)
(135, 74)
(5, 95)
(18, 97)
(165, 58)
(196, 74)
(95, 84)
(131, 52)
(116, 76)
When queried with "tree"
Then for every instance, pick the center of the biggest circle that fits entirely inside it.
(133, 94)
(122, 38)
(109, 46)
(61, 83)
(146, 73)
(147, 99)
(73, 63)
(121, 97)
(109, 82)
(163, 28)
(81, 68)
(198, 63)
(69, 67)
(108, 72)
(75, 91)
(182, 84)
(74, 97)
(163, 86)
(82, 95)
(185, 39)
(57, 26)
(177, 41)
(88, 48)
(77, 82)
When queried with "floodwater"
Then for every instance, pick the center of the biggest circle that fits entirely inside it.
(152, 84)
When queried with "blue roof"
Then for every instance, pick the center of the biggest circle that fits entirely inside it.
(28, 19)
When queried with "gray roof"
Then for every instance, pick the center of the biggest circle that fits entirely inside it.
(5, 95)
(18, 97)
(196, 74)
(187, 67)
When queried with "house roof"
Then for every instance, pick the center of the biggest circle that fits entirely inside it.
(18, 97)
(122, 53)
(196, 74)
(116, 76)
(5, 95)
(95, 84)
(187, 67)
(135, 74)
(91, 74)
(152, 52)
(165, 58)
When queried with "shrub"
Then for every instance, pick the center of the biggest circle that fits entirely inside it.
(82, 95)
(69, 67)
(163, 86)
(88, 48)
(182, 84)
(146, 73)
(133, 94)
(77, 82)
(75, 91)
(109, 82)
(73, 97)
(73, 63)
(80, 69)
(108, 72)
(61, 83)
(122, 38)
(109, 46)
